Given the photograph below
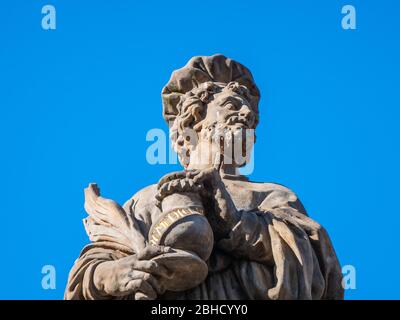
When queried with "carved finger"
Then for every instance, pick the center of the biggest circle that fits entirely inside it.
(148, 290)
(201, 176)
(190, 174)
(183, 183)
(152, 251)
(174, 186)
(131, 286)
(145, 266)
(155, 283)
(140, 285)
(141, 296)
(171, 176)
(152, 267)
(164, 191)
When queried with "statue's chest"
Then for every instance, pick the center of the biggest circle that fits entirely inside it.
(244, 198)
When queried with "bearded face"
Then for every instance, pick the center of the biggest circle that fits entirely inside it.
(215, 119)
(229, 124)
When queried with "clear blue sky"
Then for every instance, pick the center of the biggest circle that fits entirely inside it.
(76, 104)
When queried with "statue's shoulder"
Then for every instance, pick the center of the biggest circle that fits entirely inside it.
(275, 195)
(144, 198)
(274, 188)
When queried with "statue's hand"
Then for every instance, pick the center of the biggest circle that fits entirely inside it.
(135, 274)
(188, 181)
(220, 209)
(177, 182)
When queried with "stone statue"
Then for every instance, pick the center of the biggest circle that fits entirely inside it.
(206, 232)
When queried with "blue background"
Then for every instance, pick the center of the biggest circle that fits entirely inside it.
(76, 104)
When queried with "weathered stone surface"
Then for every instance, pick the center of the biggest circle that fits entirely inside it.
(206, 232)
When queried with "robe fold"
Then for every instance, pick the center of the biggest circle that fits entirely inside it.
(275, 251)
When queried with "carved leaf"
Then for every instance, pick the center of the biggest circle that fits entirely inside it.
(107, 220)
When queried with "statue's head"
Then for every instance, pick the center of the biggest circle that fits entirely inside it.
(211, 106)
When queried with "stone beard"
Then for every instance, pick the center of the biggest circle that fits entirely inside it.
(206, 232)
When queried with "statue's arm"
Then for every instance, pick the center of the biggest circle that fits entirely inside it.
(249, 238)
(117, 262)
(249, 234)
(81, 284)
(105, 272)
(288, 249)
